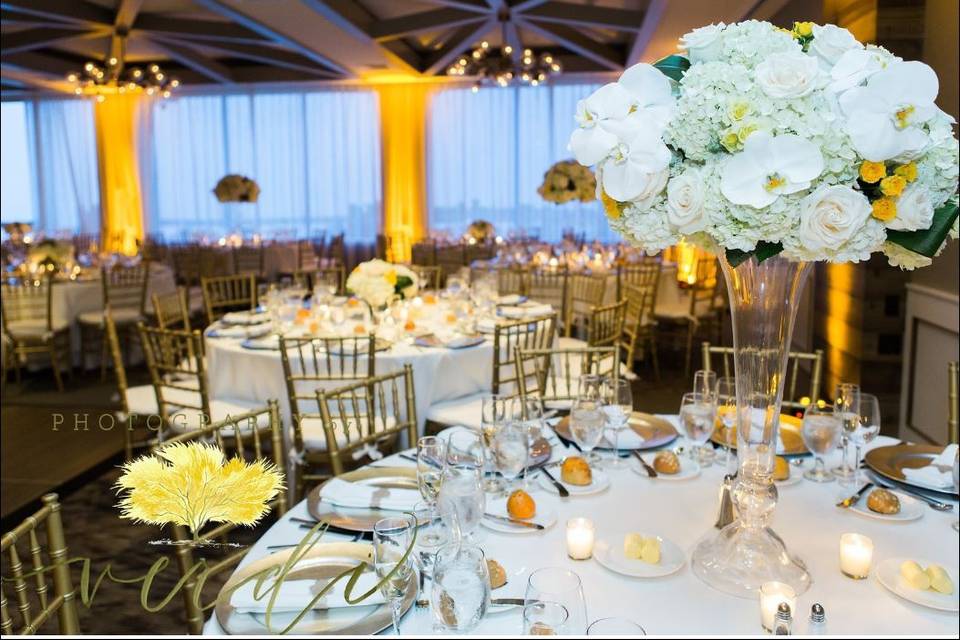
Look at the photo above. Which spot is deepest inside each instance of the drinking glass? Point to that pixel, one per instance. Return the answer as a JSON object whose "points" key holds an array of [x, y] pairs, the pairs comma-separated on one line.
{"points": [[493, 413], [462, 501], [615, 627], [460, 595], [561, 586], [433, 534], [431, 454], [586, 424], [544, 618], [705, 382], [727, 414], [847, 403], [590, 386], [392, 538], [618, 405], [698, 415], [821, 432], [528, 412], [866, 430], [511, 451]]}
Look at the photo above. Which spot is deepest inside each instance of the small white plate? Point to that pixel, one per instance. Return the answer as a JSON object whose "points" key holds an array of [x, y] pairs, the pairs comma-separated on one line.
{"points": [[796, 475], [888, 573], [600, 482], [608, 550], [910, 509], [498, 507], [688, 470]]}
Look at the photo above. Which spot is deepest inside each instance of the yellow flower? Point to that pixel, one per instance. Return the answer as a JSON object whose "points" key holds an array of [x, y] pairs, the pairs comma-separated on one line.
{"points": [[803, 28], [610, 206], [193, 484], [884, 209], [730, 140], [872, 171], [738, 110], [747, 130], [391, 276], [892, 185], [907, 171]]}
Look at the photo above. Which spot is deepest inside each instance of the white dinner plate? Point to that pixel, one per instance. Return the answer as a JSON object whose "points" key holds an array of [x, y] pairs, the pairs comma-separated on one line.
{"points": [[910, 509], [688, 469], [244, 317], [498, 507], [608, 550], [888, 573], [600, 483]]}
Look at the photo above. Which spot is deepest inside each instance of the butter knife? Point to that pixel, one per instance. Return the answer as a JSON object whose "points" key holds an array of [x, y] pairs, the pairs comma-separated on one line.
{"points": [[650, 470], [562, 490], [846, 503], [522, 523]]}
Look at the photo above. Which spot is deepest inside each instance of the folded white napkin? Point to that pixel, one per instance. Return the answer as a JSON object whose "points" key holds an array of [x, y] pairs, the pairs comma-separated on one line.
{"points": [[245, 317], [512, 298], [938, 474], [351, 494], [296, 595], [530, 311], [241, 331], [486, 325]]}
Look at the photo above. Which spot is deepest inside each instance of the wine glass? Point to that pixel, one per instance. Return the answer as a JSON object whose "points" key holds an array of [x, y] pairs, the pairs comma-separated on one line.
{"points": [[586, 424], [460, 595], [590, 386], [727, 414], [493, 413], [847, 403], [431, 454], [615, 626], [618, 405], [705, 382], [821, 431], [544, 618], [698, 415], [432, 534], [866, 430], [564, 587], [528, 412], [461, 500], [511, 451], [392, 538]]}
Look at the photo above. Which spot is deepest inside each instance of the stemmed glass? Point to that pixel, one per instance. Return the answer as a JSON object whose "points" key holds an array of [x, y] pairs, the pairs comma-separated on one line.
{"points": [[615, 627], [461, 587], [865, 431], [704, 382], [821, 432], [432, 534], [847, 404], [544, 618], [493, 413], [431, 455], [727, 414], [698, 415], [564, 587], [528, 412], [511, 451], [586, 424], [618, 399], [392, 538], [461, 500]]}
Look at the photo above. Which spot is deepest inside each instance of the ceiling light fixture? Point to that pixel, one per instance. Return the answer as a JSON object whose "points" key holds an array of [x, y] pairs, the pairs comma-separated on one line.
{"points": [[502, 67], [113, 76]]}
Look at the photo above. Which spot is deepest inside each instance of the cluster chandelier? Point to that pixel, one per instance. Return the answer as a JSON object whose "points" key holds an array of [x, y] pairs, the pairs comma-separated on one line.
{"points": [[113, 76], [499, 66]]}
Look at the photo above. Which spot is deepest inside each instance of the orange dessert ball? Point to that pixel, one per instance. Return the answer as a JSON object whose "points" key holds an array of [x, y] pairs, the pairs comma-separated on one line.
{"points": [[520, 505], [410, 325], [576, 471]]}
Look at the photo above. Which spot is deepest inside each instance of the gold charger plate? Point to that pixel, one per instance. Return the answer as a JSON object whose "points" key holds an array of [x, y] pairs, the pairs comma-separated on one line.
{"points": [[890, 462], [324, 561], [789, 433], [355, 519], [656, 432]]}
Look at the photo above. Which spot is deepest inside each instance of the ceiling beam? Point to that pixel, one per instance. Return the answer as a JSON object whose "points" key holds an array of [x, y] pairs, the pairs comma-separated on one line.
{"points": [[43, 64], [29, 78], [478, 6], [217, 6], [512, 36], [193, 59], [419, 22], [40, 37], [63, 11], [651, 20], [264, 54], [579, 15], [523, 5], [458, 43], [197, 29], [578, 43], [127, 13]]}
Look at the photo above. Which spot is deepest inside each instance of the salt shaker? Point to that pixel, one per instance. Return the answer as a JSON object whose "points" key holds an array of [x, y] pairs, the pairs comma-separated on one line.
{"points": [[784, 621], [818, 620]]}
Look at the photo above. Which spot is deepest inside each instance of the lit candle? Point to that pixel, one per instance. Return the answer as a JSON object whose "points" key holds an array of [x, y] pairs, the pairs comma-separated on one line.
{"points": [[771, 595], [856, 555], [579, 538]]}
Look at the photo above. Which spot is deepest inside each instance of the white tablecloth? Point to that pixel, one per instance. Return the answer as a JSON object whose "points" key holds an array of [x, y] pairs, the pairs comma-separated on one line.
{"points": [[806, 519]]}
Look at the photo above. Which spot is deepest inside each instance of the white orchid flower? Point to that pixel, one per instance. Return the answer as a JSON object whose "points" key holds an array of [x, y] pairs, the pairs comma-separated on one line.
{"points": [[853, 67], [768, 167], [626, 172], [884, 118], [651, 92], [593, 141]]}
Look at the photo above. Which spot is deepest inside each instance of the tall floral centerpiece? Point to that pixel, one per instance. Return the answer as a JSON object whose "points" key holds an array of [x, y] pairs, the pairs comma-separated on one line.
{"points": [[773, 148], [568, 180], [378, 283]]}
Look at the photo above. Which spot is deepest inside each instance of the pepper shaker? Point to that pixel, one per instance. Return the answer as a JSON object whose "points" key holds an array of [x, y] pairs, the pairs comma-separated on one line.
{"points": [[784, 620], [818, 620]]}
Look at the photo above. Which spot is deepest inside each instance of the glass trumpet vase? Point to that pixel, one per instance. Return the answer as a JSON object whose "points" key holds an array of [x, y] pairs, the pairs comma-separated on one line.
{"points": [[744, 554]]}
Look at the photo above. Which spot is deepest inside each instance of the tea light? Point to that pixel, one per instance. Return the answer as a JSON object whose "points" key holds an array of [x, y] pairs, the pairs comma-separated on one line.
{"points": [[771, 595], [580, 538], [856, 555]]}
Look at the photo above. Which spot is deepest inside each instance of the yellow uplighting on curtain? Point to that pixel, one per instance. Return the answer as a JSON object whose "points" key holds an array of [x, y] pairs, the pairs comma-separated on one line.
{"points": [[121, 210], [403, 129]]}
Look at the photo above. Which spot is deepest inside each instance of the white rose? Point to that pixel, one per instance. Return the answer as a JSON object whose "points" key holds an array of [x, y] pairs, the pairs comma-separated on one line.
{"points": [[830, 216], [787, 75], [704, 43], [853, 67], [685, 200], [830, 42], [650, 185], [914, 210]]}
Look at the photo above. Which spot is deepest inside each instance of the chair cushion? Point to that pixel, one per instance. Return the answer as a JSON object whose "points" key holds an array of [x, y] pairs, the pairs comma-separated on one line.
{"points": [[123, 315], [33, 329], [189, 419], [464, 411], [314, 438], [142, 400]]}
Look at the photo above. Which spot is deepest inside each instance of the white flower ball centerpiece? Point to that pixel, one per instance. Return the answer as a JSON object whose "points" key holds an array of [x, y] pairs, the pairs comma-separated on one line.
{"points": [[773, 148], [378, 283]]}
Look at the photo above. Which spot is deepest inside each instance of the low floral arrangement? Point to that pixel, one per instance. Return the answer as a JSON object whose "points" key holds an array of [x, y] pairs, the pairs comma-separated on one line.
{"points": [[378, 283], [236, 188], [764, 140], [568, 180], [49, 255], [481, 231]]}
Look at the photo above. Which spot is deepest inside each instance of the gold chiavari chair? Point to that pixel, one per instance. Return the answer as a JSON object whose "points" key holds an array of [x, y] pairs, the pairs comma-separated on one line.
{"points": [[605, 327], [171, 310], [228, 293], [801, 366], [250, 436], [429, 276], [247, 260], [308, 365], [307, 260], [639, 327], [528, 334], [30, 327], [644, 274], [953, 416], [337, 251], [553, 288], [585, 293], [701, 313], [553, 375], [450, 259], [369, 413], [333, 275], [215, 261], [125, 292], [513, 280], [424, 252], [186, 264], [62, 599]]}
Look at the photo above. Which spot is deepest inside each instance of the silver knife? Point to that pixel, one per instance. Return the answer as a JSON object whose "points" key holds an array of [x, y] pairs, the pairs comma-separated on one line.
{"points": [[846, 503], [522, 523], [562, 490], [650, 470]]}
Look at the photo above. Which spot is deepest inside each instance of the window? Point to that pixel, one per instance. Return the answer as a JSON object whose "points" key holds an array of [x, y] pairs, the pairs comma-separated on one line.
{"points": [[17, 200], [487, 154]]}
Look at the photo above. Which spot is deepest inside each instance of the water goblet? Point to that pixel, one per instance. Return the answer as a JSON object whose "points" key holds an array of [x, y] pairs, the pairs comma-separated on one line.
{"points": [[704, 382], [431, 454], [462, 501], [698, 415], [847, 403], [587, 420], [866, 430], [618, 405], [821, 432], [392, 538], [432, 534], [528, 412], [561, 586], [493, 413], [511, 451], [615, 626], [460, 595], [544, 618]]}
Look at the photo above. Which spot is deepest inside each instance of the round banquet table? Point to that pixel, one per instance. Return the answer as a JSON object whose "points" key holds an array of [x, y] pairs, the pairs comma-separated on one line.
{"points": [[682, 511]]}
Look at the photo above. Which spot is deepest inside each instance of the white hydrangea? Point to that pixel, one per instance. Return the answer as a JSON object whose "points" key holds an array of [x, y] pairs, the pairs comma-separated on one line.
{"points": [[907, 260]]}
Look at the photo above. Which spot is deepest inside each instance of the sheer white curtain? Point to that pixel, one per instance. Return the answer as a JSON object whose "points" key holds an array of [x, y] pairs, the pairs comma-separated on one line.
{"points": [[18, 201], [315, 156], [488, 151]]}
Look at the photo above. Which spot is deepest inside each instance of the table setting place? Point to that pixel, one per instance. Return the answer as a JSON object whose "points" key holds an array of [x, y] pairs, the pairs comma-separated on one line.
{"points": [[521, 527]]}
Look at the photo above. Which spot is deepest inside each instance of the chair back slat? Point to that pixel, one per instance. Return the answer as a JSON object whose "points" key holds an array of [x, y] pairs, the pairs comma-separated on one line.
{"points": [[585, 293], [527, 334], [429, 275], [228, 293], [126, 287], [803, 373], [953, 413], [248, 260], [553, 375], [513, 280], [171, 309], [27, 300], [606, 324], [177, 372]]}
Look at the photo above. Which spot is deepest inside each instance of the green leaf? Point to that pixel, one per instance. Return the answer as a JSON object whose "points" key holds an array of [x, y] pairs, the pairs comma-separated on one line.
{"points": [[402, 283], [673, 66], [762, 251], [927, 242]]}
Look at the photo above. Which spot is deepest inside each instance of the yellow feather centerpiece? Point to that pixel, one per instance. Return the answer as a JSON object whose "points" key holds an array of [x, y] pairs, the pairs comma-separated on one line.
{"points": [[191, 484]]}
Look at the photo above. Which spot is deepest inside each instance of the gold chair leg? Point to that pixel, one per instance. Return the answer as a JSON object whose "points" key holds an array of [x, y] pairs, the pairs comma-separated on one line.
{"points": [[55, 363]]}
